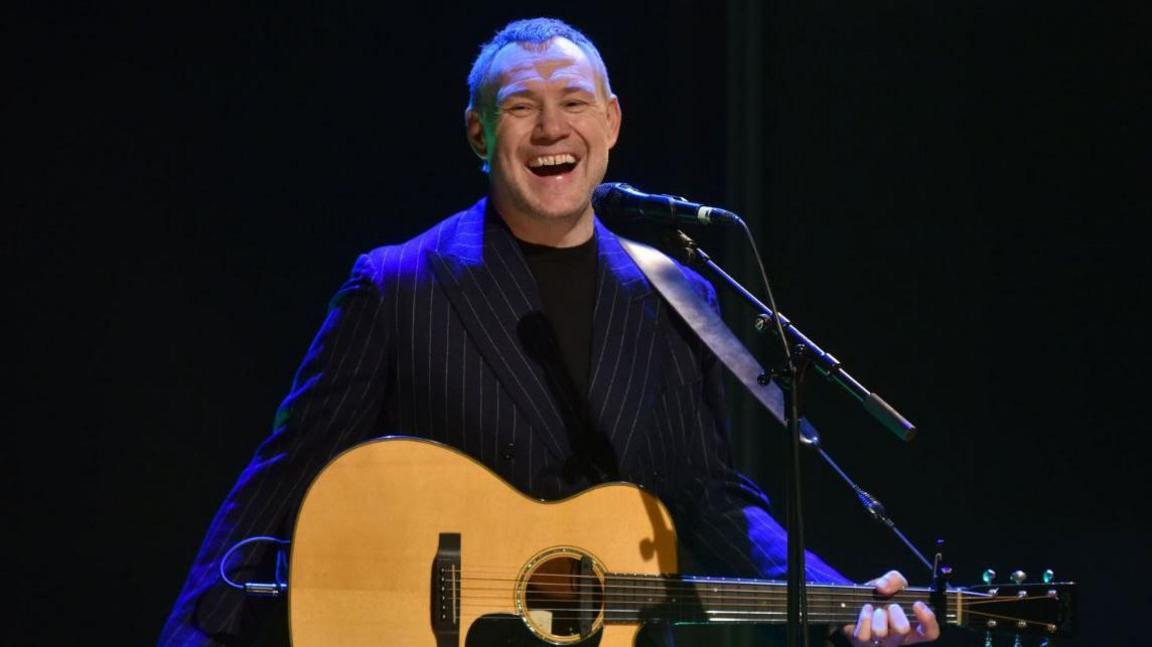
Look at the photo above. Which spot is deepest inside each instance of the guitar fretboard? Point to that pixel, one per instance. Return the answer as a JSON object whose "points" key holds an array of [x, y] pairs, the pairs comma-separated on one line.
{"points": [[632, 598]]}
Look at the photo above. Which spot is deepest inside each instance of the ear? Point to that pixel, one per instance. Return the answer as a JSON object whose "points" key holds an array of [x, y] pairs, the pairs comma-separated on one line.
{"points": [[614, 115], [476, 139]]}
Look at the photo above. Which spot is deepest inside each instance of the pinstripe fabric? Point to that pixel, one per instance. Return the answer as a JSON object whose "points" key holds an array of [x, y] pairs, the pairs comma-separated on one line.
{"points": [[428, 338]]}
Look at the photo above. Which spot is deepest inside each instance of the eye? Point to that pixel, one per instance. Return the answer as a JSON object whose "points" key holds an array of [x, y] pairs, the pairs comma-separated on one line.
{"points": [[519, 109], [576, 104]]}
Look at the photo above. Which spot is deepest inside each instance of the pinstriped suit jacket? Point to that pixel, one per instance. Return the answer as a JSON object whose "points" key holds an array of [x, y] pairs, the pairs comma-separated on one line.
{"points": [[436, 337]]}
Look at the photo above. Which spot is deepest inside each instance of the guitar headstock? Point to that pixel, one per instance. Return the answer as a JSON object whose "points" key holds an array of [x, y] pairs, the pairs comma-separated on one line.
{"points": [[1043, 610]]}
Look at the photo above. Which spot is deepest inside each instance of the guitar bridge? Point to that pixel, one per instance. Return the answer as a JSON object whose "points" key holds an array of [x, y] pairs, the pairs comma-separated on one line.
{"points": [[446, 590]]}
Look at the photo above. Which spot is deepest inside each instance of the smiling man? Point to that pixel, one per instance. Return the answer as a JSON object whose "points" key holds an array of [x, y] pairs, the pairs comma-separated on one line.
{"points": [[543, 119], [519, 332]]}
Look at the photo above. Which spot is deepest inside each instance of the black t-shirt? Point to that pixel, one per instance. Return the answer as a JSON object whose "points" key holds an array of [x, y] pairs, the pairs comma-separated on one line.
{"points": [[566, 280]]}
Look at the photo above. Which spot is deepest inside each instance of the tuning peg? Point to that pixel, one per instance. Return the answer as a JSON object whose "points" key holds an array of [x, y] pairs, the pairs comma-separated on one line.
{"points": [[988, 576], [1019, 576], [1049, 576]]}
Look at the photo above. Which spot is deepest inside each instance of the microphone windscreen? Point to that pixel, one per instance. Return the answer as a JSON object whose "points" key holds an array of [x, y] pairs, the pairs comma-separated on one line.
{"points": [[605, 197]]}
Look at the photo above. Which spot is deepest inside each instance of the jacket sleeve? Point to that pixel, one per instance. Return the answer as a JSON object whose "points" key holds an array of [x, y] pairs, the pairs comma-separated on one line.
{"points": [[727, 522], [336, 401]]}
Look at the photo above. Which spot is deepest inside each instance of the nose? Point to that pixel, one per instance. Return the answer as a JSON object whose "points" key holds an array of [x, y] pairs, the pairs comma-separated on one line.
{"points": [[551, 124]]}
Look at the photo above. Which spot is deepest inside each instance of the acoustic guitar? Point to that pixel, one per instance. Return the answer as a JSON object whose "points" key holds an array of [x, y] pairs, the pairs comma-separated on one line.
{"points": [[406, 542]]}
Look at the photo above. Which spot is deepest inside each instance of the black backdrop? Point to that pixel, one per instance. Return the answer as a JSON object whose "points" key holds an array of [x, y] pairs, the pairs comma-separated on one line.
{"points": [[947, 198]]}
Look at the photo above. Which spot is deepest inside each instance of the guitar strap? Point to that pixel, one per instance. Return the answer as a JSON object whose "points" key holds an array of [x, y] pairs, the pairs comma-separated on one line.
{"points": [[671, 283]]}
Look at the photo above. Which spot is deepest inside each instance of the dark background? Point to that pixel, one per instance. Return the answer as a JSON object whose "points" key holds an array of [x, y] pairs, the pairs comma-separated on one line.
{"points": [[948, 197]]}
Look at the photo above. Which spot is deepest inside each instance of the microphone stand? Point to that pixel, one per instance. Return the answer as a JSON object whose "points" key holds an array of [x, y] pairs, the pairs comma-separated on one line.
{"points": [[813, 355], [789, 380], [801, 353]]}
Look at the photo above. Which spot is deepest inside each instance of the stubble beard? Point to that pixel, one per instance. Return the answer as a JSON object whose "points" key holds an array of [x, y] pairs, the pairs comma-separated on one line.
{"points": [[522, 206]]}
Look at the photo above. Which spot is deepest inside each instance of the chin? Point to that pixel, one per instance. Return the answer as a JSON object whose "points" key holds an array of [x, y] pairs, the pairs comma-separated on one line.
{"points": [[567, 210], [541, 201], [556, 206]]}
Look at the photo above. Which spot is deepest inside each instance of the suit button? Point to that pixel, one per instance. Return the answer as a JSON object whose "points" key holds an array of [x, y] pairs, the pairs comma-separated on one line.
{"points": [[507, 452]]}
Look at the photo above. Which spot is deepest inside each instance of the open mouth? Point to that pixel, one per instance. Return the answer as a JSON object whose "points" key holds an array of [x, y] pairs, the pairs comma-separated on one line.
{"points": [[550, 165]]}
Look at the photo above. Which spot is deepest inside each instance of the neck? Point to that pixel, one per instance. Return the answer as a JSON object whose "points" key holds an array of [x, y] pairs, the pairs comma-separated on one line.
{"points": [[706, 600]]}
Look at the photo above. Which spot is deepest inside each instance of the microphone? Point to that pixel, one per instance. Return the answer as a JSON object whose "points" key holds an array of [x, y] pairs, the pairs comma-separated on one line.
{"points": [[619, 200]]}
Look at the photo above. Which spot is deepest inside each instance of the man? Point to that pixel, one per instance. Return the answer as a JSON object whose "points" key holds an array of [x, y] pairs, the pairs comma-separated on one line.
{"points": [[521, 333]]}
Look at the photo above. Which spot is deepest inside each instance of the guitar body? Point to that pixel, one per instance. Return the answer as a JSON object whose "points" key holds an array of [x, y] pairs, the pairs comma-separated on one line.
{"points": [[380, 519], [406, 542]]}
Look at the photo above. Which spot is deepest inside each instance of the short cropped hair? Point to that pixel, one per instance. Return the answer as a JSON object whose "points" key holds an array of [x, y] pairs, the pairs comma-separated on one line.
{"points": [[534, 31]]}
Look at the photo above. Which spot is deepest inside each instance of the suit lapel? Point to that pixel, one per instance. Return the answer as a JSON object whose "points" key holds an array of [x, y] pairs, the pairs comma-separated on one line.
{"points": [[624, 358], [489, 284]]}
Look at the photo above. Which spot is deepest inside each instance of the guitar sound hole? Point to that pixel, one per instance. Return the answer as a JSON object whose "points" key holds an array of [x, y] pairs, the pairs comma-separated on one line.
{"points": [[563, 598]]}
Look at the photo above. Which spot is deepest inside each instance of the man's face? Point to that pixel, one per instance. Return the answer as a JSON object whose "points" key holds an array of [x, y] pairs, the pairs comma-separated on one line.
{"points": [[547, 139]]}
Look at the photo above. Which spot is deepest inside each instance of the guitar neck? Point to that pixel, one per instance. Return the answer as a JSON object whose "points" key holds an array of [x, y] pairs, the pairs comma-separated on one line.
{"points": [[686, 599]]}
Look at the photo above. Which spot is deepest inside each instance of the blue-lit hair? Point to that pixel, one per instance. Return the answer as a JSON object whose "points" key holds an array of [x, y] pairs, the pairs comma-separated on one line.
{"points": [[533, 32]]}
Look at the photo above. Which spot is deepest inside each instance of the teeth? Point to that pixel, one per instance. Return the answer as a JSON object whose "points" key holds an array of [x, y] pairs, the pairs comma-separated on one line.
{"points": [[552, 160]]}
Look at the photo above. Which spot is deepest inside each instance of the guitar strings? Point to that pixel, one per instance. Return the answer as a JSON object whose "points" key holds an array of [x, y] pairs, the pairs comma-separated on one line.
{"points": [[835, 607], [723, 615], [733, 593], [748, 604], [640, 584], [618, 615], [639, 613], [660, 580], [738, 590], [827, 608], [739, 597], [658, 583], [690, 598], [623, 606]]}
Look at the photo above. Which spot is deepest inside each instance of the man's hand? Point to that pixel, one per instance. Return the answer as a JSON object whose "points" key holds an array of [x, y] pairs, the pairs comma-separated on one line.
{"points": [[887, 625]]}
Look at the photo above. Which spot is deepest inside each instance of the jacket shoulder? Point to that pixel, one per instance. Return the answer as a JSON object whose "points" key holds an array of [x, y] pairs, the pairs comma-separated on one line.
{"points": [[391, 263]]}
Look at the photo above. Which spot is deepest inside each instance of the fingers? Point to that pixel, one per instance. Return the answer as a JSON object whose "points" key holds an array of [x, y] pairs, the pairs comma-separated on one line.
{"points": [[898, 577], [890, 583], [929, 628], [861, 632], [889, 626], [879, 624], [898, 626], [885, 625]]}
